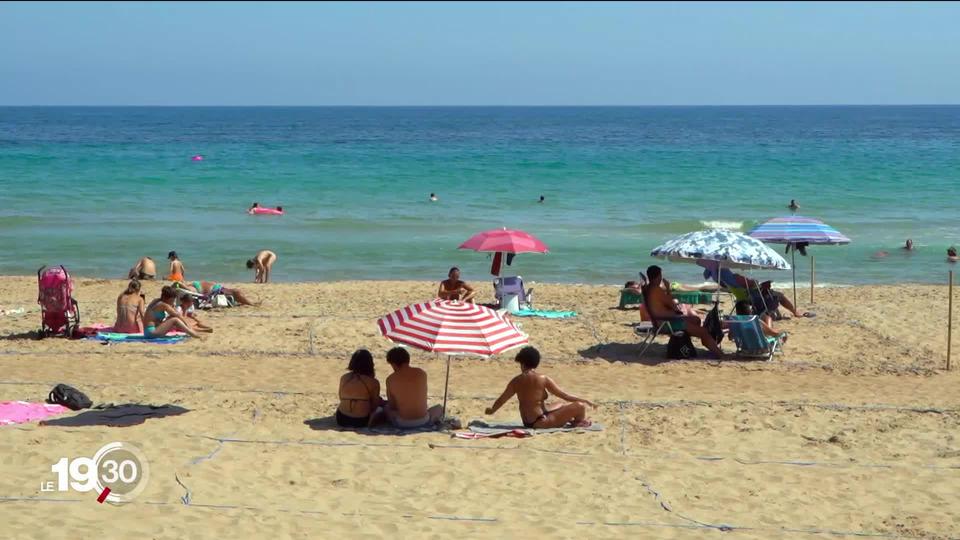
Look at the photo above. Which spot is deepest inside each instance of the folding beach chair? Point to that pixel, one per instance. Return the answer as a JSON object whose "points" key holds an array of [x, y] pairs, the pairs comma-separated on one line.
{"points": [[747, 333], [504, 286], [649, 330]]}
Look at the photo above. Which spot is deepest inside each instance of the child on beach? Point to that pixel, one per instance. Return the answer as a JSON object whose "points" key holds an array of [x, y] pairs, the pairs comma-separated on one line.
{"points": [[176, 267], [189, 313]]}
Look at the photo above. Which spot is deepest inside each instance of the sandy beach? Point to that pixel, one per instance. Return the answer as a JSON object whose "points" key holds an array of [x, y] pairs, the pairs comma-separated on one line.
{"points": [[853, 430]]}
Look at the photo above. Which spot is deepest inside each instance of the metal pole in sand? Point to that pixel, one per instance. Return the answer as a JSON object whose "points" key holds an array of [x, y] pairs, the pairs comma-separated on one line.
{"points": [[793, 265], [813, 273], [949, 318], [446, 385]]}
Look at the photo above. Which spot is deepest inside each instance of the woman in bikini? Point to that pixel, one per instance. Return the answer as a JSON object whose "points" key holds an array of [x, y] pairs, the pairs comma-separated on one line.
{"points": [[130, 306], [532, 390], [359, 392], [454, 289], [161, 316]]}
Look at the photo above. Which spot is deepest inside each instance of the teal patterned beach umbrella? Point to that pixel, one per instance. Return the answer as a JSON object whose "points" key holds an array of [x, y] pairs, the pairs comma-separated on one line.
{"points": [[729, 248]]}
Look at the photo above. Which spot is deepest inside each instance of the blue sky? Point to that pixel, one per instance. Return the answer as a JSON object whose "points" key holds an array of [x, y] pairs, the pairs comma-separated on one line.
{"points": [[434, 53]]}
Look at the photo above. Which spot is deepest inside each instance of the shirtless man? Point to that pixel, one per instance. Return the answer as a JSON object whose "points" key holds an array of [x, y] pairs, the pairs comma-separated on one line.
{"points": [[262, 264], [531, 390], [407, 393], [176, 267], [663, 308], [454, 289], [144, 269]]}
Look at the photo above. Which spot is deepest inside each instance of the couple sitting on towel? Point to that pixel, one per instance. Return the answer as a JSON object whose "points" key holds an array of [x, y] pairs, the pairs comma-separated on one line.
{"points": [[406, 404]]}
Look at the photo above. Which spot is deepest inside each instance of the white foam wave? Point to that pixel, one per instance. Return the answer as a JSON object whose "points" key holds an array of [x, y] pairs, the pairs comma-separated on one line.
{"points": [[720, 224]]}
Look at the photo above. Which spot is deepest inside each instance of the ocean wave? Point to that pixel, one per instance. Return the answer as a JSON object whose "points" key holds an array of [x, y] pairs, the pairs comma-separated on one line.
{"points": [[722, 224]]}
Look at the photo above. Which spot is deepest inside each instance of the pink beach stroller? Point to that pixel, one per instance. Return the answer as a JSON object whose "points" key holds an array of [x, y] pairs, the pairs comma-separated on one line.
{"points": [[59, 312]]}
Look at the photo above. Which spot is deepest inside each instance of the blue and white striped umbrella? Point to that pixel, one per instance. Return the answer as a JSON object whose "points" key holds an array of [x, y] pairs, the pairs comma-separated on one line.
{"points": [[797, 229], [730, 248]]}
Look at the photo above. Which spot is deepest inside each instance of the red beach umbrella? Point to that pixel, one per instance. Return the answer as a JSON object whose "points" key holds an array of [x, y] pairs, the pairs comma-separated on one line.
{"points": [[451, 327], [502, 241], [505, 240]]}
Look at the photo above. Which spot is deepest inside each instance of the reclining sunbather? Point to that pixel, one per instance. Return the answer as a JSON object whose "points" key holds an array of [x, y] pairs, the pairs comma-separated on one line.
{"points": [[161, 317], [532, 389], [762, 295], [211, 288]]}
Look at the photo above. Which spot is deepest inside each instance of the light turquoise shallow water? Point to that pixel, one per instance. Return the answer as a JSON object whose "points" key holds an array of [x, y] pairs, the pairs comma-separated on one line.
{"points": [[95, 188]]}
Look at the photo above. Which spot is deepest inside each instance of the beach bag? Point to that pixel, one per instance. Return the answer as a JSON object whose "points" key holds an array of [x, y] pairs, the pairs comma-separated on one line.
{"points": [[713, 325], [69, 397], [220, 300], [680, 347]]}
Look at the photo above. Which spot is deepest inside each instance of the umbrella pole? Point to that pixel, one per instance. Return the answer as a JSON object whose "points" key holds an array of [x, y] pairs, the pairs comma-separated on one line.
{"points": [[793, 265], [446, 386], [813, 275]]}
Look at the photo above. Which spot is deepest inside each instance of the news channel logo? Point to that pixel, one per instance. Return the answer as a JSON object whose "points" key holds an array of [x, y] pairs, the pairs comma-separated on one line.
{"points": [[117, 473]]}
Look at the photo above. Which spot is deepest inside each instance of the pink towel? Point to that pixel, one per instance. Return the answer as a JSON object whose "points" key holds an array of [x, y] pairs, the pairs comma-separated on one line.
{"points": [[18, 412]]}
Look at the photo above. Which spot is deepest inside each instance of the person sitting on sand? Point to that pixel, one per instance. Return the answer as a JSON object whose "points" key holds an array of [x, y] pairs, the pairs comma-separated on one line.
{"points": [[189, 314], [210, 288], [951, 254], [664, 308], [144, 269], [406, 405], [359, 392], [531, 389], [176, 267], [253, 207], [262, 263], [161, 317], [130, 306], [454, 289]]}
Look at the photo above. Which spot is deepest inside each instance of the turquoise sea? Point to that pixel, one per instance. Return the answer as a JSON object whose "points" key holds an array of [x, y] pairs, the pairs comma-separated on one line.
{"points": [[96, 188]]}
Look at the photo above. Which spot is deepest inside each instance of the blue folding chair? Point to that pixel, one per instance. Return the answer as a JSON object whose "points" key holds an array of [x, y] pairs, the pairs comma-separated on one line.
{"points": [[747, 333]]}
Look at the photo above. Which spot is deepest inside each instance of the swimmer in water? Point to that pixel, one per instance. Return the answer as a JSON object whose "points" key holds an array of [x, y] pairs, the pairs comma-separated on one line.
{"points": [[951, 254], [909, 245], [542, 199], [433, 197], [793, 205], [279, 209], [252, 208]]}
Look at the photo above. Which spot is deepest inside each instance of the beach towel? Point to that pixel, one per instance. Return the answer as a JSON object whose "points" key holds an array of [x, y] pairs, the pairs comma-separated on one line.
{"points": [[113, 337], [19, 412], [479, 430], [546, 314], [93, 330], [108, 414]]}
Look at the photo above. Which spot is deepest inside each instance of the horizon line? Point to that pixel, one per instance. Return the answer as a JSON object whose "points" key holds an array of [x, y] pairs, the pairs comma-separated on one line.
{"points": [[397, 106]]}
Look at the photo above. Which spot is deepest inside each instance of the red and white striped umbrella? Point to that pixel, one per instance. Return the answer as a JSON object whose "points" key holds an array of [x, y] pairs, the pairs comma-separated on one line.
{"points": [[452, 327]]}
